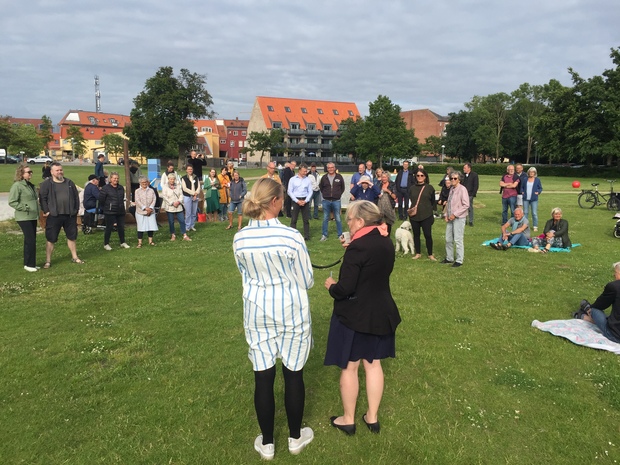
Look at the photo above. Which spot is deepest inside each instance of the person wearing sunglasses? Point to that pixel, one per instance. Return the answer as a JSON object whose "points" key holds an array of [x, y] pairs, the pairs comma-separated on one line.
{"points": [[457, 207], [23, 198]]}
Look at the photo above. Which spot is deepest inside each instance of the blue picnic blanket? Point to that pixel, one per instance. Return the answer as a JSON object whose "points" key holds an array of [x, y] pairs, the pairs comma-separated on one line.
{"points": [[529, 246]]}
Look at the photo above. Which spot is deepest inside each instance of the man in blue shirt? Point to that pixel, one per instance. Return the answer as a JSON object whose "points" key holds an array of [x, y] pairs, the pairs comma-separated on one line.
{"points": [[300, 192], [403, 182]]}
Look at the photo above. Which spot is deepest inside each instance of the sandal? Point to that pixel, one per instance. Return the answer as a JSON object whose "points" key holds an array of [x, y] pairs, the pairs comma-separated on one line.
{"points": [[139, 246], [78, 261], [229, 226], [151, 243], [545, 250], [47, 266]]}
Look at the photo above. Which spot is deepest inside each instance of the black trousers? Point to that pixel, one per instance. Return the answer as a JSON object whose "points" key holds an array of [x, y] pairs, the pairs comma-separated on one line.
{"points": [[426, 226], [109, 225], [29, 228], [305, 215], [402, 197]]}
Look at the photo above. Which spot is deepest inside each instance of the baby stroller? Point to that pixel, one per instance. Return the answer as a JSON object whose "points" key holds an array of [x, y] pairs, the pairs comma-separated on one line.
{"points": [[92, 219], [617, 226]]}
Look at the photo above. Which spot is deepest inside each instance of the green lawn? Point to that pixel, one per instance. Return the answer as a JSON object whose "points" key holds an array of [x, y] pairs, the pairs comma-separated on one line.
{"points": [[138, 357]]}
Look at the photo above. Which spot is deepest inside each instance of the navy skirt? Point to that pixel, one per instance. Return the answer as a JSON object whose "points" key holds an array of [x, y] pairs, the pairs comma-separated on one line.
{"points": [[345, 345]]}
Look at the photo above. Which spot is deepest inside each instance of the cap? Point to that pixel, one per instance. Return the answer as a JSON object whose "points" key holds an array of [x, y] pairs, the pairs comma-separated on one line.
{"points": [[365, 179]]}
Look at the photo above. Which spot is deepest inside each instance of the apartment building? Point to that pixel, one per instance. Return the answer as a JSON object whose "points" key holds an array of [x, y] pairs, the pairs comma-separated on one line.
{"points": [[425, 123]]}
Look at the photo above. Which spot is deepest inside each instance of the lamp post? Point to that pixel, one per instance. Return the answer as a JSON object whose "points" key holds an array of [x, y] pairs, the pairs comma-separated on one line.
{"points": [[442, 152]]}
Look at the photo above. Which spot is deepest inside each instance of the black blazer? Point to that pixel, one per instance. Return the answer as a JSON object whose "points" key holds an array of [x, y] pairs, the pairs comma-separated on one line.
{"points": [[399, 177], [362, 298]]}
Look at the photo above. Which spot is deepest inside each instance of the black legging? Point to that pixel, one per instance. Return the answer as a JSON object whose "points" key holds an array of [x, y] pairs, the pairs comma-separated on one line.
{"points": [[265, 404], [109, 225], [29, 228], [426, 226]]}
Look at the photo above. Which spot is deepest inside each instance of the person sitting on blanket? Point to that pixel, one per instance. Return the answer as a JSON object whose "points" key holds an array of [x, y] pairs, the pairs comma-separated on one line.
{"points": [[555, 233], [519, 232], [609, 325]]}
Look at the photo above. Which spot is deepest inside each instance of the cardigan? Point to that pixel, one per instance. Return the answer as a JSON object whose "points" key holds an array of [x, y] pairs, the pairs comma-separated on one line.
{"points": [[561, 230], [362, 298]]}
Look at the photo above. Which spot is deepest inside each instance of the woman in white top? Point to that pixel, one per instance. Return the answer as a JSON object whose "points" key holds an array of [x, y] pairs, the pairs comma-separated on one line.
{"points": [[276, 273], [173, 204], [145, 210]]}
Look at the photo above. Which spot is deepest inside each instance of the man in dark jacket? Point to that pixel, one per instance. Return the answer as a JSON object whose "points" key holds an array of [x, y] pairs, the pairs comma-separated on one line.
{"points": [[331, 186], [60, 203], [112, 202], [287, 173], [404, 180], [609, 325], [470, 181], [197, 161]]}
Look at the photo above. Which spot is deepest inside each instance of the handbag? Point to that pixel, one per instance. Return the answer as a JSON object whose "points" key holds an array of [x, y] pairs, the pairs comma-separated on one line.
{"points": [[413, 211]]}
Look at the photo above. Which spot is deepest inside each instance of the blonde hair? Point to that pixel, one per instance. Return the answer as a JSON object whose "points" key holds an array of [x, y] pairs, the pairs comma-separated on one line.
{"points": [[264, 190], [19, 172], [366, 211]]}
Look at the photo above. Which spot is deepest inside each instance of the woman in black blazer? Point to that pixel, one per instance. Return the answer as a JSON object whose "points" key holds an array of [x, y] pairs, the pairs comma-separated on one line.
{"points": [[365, 315]]}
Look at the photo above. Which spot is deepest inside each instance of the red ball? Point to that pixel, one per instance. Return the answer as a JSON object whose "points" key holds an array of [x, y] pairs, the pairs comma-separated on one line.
{"points": [[576, 184]]}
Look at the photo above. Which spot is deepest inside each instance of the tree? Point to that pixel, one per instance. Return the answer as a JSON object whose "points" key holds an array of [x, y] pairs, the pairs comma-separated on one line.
{"points": [[385, 134], [346, 141], [493, 113], [78, 144], [460, 140], [265, 141], [528, 107], [6, 135], [26, 139], [161, 120], [46, 133], [114, 143], [433, 145]]}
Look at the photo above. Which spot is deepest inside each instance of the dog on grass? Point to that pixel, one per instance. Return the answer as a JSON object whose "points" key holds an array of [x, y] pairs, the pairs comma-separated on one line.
{"points": [[404, 238]]}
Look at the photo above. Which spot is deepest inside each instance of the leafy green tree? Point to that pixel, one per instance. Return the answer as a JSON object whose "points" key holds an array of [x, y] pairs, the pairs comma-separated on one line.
{"points": [[161, 120], [6, 135], [78, 145], [346, 141], [528, 107], [46, 133], [433, 145], [460, 135], [385, 134], [114, 144], [492, 111], [26, 139], [265, 141]]}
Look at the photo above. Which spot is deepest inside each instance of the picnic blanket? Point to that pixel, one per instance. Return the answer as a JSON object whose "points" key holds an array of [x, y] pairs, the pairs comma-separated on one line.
{"points": [[529, 246], [579, 332]]}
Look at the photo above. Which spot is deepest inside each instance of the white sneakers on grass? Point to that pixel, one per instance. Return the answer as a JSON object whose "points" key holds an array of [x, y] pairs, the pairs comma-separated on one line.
{"points": [[295, 446], [125, 245], [31, 269], [107, 247]]}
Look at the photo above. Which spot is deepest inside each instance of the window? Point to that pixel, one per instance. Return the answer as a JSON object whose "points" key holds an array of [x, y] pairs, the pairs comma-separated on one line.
{"points": [[311, 127], [240, 143], [327, 127], [244, 133], [294, 125], [276, 125], [335, 111], [269, 108], [319, 111], [303, 110], [232, 143], [222, 141], [235, 133], [351, 113], [287, 109]]}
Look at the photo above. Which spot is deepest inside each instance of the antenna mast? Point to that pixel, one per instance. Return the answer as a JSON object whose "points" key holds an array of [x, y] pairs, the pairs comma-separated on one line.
{"points": [[97, 95]]}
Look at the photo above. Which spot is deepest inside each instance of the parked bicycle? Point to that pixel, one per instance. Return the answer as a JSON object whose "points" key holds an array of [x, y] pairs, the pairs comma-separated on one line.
{"points": [[590, 198]]}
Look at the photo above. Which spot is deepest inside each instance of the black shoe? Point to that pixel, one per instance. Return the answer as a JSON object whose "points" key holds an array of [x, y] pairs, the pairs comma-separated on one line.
{"points": [[456, 264], [584, 305], [373, 427], [348, 429], [445, 260], [471, 223]]}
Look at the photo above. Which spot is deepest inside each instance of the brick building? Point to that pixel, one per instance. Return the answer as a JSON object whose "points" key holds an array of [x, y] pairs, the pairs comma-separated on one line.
{"points": [[425, 123]]}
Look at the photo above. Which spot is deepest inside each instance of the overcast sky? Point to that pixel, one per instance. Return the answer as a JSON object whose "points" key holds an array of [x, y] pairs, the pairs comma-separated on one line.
{"points": [[433, 54]]}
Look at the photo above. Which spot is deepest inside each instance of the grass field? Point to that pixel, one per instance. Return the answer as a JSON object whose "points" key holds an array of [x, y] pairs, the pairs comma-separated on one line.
{"points": [[138, 357]]}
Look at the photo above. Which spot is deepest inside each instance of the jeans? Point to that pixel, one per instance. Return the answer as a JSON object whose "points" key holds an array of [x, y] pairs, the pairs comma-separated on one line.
{"points": [[471, 210], [180, 218], [330, 206], [526, 209], [191, 210], [509, 202], [316, 199], [223, 212], [455, 230], [517, 239], [600, 320]]}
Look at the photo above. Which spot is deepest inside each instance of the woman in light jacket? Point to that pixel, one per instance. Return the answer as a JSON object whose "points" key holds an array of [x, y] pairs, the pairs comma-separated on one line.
{"points": [[23, 198], [145, 210], [172, 195], [530, 190], [192, 186], [224, 193]]}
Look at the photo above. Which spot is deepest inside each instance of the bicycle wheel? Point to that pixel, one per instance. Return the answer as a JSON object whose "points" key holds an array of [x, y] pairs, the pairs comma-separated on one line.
{"points": [[613, 203], [586, 199]]}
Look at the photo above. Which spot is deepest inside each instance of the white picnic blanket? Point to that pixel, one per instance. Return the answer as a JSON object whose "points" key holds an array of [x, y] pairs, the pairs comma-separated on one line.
{"points": [[579, 332]]}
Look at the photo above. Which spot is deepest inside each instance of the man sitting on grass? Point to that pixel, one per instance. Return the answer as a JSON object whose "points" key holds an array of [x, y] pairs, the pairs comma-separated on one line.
{"points": [[519, 232], [609, 325]]}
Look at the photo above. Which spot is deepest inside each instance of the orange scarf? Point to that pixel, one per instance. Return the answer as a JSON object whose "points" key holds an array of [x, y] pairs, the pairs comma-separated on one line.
{"points": [[366, 229]]}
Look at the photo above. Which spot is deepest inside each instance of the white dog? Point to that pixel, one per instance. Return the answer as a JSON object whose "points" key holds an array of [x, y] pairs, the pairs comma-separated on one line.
{"points": [[404, 238]]}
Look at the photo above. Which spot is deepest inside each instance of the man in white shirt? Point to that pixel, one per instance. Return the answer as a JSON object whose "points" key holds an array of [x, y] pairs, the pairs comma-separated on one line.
{"points": [[315, 178], [300, 192]]}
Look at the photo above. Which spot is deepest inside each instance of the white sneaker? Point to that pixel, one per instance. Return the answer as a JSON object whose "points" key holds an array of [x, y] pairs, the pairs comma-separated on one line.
{"points": [[295, 446], [107, 247], [192, 229], [266, 451], [31, 269], [323, 238], [124, 245]]}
